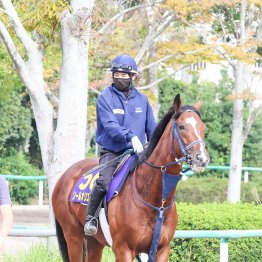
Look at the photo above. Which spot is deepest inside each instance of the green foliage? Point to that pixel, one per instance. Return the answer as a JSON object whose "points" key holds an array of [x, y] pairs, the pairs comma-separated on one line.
{"points": [[229, 15], [15, 120], [217, 217], [9, 80], [41, 16], [253, 145], [15, 124], [212, 189], [20, 190]]}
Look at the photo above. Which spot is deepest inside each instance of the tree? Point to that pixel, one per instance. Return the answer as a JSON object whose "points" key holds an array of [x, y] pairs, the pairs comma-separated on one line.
{"points": [[232, 31], [244, 41], [62, 139]]}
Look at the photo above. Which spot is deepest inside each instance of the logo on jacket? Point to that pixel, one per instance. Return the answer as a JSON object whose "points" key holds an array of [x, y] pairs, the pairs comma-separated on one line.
{"points": [[138, 110], [118, 111]]}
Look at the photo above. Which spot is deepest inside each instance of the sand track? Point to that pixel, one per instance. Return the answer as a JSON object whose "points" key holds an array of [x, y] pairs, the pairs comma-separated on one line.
{"points": [[30, 215]]}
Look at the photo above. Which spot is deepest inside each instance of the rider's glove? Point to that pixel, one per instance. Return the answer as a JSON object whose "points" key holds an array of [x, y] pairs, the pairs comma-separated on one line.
{"points": [[138, 147]]}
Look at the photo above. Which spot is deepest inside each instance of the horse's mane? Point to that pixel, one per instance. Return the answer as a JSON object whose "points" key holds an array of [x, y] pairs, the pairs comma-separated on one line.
{"points": [[160, 128]]}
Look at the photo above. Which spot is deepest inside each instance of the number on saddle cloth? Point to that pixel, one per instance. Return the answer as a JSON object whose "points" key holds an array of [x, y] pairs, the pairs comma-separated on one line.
{"points": [[82, 189]]}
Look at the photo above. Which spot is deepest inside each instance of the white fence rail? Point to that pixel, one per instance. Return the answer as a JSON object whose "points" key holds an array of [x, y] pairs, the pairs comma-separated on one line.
{"points": [[223, 235]]}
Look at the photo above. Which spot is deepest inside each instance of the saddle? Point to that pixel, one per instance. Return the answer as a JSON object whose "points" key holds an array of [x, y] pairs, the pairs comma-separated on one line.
{"points": [[84, 185], [82, 189]]}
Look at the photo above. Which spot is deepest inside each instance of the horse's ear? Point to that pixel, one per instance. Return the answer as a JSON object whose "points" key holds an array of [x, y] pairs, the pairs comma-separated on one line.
{"points": [[198, 104], [177, 102]]}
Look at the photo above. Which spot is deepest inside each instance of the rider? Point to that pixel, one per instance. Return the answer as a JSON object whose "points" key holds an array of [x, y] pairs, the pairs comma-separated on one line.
{"points": [[124, 120]]}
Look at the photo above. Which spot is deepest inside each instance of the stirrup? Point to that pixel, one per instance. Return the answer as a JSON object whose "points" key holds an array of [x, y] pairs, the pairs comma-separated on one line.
{"points": [[91, 227]]}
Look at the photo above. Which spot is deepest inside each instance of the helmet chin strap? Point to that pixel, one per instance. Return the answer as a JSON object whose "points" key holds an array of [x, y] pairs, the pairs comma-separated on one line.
{"points": [[131, 80]]}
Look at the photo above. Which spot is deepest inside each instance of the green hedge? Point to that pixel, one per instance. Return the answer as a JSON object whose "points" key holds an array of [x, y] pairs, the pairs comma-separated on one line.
{"points": [[211, 189], [21, 191], [224, 216]]}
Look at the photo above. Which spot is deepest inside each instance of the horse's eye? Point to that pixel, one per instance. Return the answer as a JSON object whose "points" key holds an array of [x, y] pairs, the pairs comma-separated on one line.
{"points": [[181, 127]]}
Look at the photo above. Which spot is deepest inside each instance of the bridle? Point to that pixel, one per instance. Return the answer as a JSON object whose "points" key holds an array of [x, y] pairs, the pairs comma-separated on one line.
{"points": [[184, 149]]}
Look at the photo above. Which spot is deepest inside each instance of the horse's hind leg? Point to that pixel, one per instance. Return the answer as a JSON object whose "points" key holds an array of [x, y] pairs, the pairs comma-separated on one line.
{"points": [[94, 250]]}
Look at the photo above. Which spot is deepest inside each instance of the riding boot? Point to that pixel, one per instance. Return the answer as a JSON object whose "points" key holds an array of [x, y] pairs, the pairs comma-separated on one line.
{"points": [[93, 203]]}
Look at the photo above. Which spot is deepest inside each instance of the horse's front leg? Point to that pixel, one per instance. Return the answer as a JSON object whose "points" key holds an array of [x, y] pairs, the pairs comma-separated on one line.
{"points": [[163, 254], [123, 253], [94, 250]]}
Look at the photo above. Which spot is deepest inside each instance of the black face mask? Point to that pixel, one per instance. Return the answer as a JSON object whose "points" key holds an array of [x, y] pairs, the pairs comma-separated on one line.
{"points": [[122, 84]]}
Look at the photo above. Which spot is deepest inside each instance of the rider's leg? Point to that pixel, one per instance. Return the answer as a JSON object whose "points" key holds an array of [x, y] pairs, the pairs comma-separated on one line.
{"points": [[98, 191]]}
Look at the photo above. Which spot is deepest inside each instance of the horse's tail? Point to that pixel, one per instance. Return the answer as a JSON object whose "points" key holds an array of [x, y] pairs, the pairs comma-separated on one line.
{"points": [[62, 242]]}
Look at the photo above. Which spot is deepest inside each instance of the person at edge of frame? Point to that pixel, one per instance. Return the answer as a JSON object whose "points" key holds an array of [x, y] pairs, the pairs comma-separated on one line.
{"points": [[5, 211]]}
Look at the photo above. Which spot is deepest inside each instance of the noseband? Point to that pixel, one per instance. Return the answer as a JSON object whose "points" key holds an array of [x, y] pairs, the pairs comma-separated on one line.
{"points": [[184, 149]]}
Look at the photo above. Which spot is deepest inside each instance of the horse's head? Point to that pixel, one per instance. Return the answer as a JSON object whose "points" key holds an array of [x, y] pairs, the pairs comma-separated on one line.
{"points": [[189, 129]]}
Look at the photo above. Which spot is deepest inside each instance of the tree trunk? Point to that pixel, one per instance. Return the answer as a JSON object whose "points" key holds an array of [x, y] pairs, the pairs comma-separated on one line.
{"points": [[152, 77], [237, 140], [234, 183], [70, 133], [149, 17]]}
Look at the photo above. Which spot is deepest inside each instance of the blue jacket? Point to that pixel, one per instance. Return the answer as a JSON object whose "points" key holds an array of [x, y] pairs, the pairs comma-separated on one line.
{"points": [[120, 118]]}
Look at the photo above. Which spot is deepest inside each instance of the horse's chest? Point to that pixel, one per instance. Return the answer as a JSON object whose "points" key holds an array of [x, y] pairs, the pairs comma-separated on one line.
{"points": [[145, 232]]}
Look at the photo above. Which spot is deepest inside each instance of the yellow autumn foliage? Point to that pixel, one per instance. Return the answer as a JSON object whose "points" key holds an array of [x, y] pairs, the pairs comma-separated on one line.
{"points": [[256, 2], [200, 10], [239, 53], [41, 15], [188, 53]]}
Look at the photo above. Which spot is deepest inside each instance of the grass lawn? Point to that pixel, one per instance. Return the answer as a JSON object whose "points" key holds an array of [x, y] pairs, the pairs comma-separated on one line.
{"points": [[40, 253]]}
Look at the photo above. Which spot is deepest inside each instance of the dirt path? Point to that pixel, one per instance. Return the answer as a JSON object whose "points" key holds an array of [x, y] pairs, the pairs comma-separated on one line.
{"points": [[31, 215]]}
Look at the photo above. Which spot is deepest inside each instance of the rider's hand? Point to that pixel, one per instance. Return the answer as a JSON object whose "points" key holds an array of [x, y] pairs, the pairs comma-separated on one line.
{"points": [[138, 147]]}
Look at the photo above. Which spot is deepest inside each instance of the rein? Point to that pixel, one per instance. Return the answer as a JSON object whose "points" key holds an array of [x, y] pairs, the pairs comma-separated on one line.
{"points": [[169, 182]]}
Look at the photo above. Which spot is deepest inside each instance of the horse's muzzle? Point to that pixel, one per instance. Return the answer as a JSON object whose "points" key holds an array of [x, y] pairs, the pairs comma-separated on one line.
{"points": [[200, 162]]}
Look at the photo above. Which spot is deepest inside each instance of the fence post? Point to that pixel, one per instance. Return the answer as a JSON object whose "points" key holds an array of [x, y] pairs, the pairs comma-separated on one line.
{"points": [[223, 250], [40, 192], [246, 176]]}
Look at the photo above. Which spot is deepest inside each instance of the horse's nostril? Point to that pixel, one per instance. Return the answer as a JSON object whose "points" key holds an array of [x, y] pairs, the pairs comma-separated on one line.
{"points": [[197, 157]]}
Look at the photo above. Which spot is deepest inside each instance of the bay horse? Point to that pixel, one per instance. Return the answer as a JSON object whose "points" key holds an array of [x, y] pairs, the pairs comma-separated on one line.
{"points": [[132, 213]]}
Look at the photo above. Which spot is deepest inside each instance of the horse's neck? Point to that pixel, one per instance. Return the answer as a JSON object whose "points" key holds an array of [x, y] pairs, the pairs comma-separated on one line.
{"points": [[148, 179]]}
